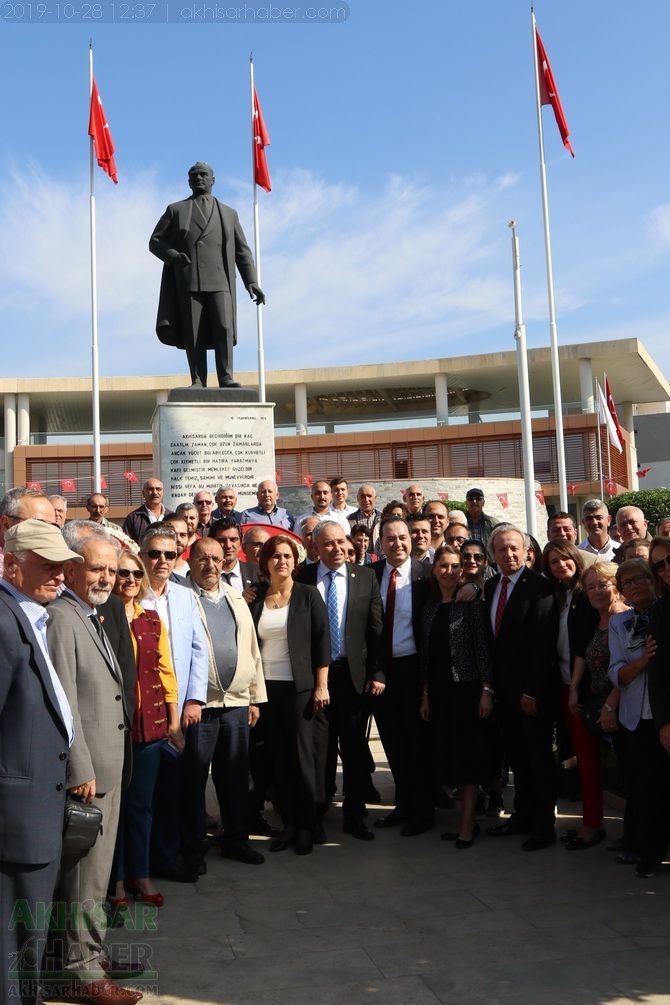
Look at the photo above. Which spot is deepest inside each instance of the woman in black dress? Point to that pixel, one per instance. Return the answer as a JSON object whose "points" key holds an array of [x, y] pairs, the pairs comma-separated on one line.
{"points": [[456, 696]]}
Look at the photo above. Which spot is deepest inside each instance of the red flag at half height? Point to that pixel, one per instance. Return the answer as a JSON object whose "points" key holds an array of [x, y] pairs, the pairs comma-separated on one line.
{"points": [[549, 92], [261, 141], [98, 130], [612, 410]]}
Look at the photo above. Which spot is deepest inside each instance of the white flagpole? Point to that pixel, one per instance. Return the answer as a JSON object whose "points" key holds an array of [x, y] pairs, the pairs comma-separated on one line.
{"points": [[257, 243], [95, 374], [524, 391], [599, 441], [555, 369], [609, 442]]}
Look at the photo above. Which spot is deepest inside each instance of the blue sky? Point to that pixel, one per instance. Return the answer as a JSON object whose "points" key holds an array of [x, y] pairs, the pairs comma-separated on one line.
{"points": [[403, 140]]}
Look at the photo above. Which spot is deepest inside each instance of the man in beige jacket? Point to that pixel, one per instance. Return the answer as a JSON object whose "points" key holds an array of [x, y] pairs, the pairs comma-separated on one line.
{"points": [[236, 688]]}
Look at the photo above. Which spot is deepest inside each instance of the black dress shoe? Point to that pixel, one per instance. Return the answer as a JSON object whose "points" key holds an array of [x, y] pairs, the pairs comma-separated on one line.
{"points": [[392, 819], [372, 795], [357, 828], [259, 825], [230, 383], [303, 842], [417, 825], [536, 842], [511, 826], [281, 841], [241, 851], [577, 843]]}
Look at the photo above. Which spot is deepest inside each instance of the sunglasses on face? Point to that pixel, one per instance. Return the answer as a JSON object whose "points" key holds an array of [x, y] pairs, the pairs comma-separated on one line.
{"points": [[475, 556], [126, 573], [156, 553], [662, 562]]}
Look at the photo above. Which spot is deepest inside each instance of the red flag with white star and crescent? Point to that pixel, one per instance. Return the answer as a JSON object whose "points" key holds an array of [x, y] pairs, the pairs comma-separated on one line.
{"points": [[98, 130]]}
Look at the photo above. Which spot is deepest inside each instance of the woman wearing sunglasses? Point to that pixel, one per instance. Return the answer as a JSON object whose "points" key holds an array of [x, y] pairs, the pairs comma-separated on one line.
{"points": [[156, 721]]}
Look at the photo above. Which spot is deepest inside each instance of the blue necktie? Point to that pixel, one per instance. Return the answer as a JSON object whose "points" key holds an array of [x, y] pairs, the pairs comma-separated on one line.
{"points": [[333, 618]]}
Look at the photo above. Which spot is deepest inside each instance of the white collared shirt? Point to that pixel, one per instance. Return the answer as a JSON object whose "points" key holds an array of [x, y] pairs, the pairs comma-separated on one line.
{"points": [[607, 552]]}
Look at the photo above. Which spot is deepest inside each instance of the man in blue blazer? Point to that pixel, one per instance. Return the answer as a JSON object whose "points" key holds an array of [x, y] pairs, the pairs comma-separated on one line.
{"points": [[36, 731]]}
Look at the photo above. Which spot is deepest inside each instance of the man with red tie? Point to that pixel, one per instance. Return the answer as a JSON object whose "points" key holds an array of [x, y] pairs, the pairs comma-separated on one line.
{"points": [[403, 584], [524, 626]]}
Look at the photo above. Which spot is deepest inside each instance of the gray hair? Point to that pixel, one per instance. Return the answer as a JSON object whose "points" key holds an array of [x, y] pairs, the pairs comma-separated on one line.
{"points": [[57, 498], [185, 507], [321, 526], [77, 532], [593, 505], [11, 501], [503, 528], [157, 530]]}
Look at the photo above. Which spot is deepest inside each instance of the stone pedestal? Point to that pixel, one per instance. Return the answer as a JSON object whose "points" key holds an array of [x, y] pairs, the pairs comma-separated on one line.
{"points": [[210, 438]]}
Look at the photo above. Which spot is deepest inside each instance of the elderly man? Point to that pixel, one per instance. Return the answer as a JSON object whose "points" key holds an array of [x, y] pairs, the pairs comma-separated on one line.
{"points": [[367, 513], [97, 505], [456, 535], [59, 504], [480, 524], [204, 503], [252, 542], [267, 510], [226, 501], [524, 628], [37, 728], [23, 504], [151, 511], [596, 520], [236, 688], [413, 499], [404, 586], [631, 523], [352, 598], [322, 498], [92, 681], [178, 609]]}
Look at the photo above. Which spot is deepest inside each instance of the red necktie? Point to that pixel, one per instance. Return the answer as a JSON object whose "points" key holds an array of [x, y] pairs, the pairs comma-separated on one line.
{"points": [[390, 610], [502, 600]]}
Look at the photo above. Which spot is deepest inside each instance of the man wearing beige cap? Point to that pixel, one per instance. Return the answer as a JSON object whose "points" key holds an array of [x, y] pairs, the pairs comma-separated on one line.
{"points": [[37, 730]]}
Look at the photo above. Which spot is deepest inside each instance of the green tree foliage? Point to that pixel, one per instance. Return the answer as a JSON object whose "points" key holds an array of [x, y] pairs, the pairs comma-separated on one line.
{"points": [[654, 503]]}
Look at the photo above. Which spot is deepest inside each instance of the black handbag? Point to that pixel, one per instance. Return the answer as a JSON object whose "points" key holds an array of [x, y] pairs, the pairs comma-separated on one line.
{"points": [[591, 709], [82, 824]]}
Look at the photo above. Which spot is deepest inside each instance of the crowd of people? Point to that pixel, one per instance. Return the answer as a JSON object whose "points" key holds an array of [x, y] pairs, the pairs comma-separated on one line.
{"points": [[256, 646]]}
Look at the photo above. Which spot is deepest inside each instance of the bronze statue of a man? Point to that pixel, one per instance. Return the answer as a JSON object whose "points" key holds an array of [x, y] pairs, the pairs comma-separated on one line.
{"points": [[200, 241]]}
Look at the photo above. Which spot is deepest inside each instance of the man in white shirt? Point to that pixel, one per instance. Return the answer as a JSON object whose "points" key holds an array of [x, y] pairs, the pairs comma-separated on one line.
{"points": [[596, 520], [240, 575], [340, 489], [322, 498]]}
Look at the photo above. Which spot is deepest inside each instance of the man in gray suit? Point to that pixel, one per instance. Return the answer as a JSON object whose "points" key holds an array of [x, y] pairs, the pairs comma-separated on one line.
{"points": [[36, 728], [200, 241], [91, 679]]}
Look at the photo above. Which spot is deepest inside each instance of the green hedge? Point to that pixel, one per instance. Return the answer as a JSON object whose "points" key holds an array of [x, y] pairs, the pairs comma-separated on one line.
{"points": [[654, 503]]}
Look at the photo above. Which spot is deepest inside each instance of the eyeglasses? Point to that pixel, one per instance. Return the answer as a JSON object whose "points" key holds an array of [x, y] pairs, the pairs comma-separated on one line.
{"points": [[204, 502], [455, 540], [600, 587], [662, 562], [157, 553], [634, 581], [474, 556], [126, 573]]}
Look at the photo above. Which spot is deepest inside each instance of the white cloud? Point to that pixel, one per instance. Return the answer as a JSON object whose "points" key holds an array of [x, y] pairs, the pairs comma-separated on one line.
{"points": [[658, 224]]}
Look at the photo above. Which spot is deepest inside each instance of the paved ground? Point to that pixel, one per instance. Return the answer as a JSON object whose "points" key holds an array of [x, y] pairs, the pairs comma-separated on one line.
{"points": [[412, 921]]}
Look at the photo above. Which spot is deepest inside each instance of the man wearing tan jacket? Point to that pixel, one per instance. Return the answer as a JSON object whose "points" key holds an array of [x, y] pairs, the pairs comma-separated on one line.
{"points": [[236, 688]]}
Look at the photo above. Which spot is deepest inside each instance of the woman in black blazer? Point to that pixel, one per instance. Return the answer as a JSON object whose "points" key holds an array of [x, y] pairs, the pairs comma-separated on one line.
{"points": [[292, 626]]}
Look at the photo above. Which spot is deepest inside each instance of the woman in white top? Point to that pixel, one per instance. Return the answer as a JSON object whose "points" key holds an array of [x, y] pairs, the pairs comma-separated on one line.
{"points": [[292, 626]]}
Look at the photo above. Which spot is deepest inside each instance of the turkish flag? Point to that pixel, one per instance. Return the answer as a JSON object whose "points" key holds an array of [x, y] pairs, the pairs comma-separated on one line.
{"points": [[277, 476], [444, 496], [261, 141], [503, 499], [572, 488], [98, 130], [612, 410], [67, 485], [642, 472], [130, 476], [549, 92], [103, 482], [37, 486], [610, 486], [308, 481], [539, 495]]}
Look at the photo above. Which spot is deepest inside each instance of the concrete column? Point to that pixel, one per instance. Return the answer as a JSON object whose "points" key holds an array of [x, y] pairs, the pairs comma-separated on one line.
{"points": [[441, 399], [10, 439], [628, 423], [300, 397], [161, 397], [586, 385], [23, 420]]}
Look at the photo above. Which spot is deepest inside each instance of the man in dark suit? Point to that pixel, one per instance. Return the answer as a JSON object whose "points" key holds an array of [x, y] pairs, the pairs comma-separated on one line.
{"points": [[524, 627], [242, 576], [200, 241], [36, 728], [92, 681], [352, 598], [404, 586]]}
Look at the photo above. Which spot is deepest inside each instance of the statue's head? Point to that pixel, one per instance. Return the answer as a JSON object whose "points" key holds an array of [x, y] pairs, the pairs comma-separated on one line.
{"points": [[201, 178]]}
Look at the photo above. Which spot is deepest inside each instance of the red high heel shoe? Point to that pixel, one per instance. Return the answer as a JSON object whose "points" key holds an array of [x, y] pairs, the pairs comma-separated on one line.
{"points": [[157, 899]]}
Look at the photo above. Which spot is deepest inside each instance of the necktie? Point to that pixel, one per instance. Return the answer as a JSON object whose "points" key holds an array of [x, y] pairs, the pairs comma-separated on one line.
{"points": [[95, 621], [389, 613], [333, 618], [227, 576], [502, 600]]}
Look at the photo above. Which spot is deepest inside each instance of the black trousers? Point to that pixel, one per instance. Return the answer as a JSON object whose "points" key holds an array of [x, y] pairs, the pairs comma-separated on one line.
{"points": [[206, 318], [344, 721], [289, 723], [646, 771], [529, 748], [26, 893], [406, 737]]}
